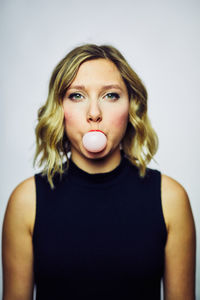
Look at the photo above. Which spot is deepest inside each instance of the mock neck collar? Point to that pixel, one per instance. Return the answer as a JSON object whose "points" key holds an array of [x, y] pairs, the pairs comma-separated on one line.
{"points": [[83, 177]]}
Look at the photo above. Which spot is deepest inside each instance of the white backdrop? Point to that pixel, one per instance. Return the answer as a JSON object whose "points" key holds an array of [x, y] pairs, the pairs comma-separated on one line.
{"points": [[160, 39]]}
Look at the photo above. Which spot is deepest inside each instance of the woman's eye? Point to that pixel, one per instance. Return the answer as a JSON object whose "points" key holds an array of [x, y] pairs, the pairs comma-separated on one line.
{"points": [[75, 96], [112, 96]]}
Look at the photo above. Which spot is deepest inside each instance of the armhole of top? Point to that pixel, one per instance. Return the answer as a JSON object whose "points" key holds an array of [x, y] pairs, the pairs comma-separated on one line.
{"points": [[36, 207], [161, 205]]}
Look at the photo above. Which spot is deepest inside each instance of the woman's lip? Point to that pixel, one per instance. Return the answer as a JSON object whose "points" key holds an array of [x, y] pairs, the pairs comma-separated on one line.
{"points": [[96, 130]]}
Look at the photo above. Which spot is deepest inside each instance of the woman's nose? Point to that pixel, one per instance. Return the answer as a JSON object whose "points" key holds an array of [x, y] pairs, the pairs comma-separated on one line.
{"points": [[94, 113]]}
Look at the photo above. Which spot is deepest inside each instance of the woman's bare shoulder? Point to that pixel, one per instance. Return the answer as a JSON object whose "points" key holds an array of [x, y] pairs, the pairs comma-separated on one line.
{"points": [[22, 202], [24, 194], [171, 185], [175, 201], [26, 186]]}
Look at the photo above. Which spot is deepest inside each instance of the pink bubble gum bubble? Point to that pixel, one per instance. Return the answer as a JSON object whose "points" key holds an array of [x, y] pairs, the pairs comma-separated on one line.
{"points": [[94, 141]]}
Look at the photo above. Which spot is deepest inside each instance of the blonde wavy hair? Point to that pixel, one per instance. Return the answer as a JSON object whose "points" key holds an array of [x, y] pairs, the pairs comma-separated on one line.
{"points": [[140, 141]]}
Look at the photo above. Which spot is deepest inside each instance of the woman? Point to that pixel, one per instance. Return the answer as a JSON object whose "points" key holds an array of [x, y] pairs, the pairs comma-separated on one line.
{"points": [[97, 224]]}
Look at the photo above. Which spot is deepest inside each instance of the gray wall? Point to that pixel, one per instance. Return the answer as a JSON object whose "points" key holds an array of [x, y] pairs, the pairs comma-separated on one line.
{"points": [[160, 39]]}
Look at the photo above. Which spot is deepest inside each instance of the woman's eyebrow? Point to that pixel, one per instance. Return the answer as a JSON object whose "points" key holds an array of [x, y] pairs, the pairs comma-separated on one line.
{"points": [[105, 87]]}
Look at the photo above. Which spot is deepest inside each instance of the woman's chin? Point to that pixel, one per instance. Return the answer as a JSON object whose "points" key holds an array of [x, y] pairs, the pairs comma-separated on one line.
{"points": [[95, 154]]}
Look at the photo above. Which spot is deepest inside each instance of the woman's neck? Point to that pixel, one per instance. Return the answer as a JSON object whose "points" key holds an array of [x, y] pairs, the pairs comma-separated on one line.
{"points": [[100, 165]]}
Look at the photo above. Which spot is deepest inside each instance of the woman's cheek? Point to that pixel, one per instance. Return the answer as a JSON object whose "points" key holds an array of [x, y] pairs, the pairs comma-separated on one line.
{"points": [[74, 123], [70, 118], [120, 119]]}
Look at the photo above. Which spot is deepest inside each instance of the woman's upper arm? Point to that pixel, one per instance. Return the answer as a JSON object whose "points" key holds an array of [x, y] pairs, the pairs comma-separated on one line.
{"points": [[17, 251], [179, 275]]}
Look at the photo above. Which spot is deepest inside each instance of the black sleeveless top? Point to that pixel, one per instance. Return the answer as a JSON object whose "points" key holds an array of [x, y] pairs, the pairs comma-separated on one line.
{"points": [[99, 236]]}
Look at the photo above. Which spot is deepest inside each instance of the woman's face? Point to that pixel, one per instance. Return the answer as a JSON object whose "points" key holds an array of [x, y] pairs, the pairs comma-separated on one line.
{"points": [[97, 99]]}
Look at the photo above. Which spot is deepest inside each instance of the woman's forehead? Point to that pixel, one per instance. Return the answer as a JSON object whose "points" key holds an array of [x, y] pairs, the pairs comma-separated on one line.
{"points": [[98, 72]]}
